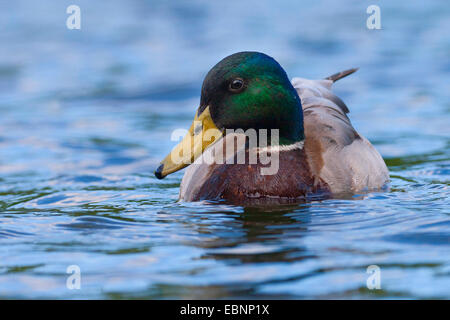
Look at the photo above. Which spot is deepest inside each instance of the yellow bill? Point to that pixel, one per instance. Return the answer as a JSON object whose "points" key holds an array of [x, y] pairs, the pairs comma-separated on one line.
{"points": [[202, 133]]}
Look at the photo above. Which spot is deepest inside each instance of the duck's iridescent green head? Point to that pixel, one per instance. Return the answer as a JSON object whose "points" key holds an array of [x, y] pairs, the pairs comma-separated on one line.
{"points": [[247, 90], [250, 90]]}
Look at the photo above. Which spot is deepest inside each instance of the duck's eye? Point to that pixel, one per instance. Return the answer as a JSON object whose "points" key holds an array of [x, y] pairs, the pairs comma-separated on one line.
{"points": [[236, 84]]}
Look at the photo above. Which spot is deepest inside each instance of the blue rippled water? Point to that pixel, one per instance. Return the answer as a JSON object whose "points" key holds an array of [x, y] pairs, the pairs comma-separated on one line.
{"points": [[87, 114]]}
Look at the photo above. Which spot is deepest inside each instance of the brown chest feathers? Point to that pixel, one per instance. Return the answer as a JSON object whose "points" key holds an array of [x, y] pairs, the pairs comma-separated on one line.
{"points": [[245, 183]]}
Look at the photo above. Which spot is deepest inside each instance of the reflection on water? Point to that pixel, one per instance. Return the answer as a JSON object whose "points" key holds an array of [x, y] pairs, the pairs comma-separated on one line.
{"points": [[87, 115]]}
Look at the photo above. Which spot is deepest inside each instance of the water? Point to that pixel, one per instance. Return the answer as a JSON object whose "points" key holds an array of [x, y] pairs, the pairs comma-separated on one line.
{"points": [[87, 115]]}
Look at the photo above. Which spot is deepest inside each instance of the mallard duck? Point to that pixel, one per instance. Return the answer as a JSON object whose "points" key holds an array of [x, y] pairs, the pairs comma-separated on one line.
{"points": [[319, 153]]}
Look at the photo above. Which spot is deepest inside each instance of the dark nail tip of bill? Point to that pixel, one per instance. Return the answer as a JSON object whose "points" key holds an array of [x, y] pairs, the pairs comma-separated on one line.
{"points": [[158, 172]]}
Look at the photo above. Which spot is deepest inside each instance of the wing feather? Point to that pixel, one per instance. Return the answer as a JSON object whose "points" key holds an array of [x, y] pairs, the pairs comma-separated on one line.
{"points": [[343, 158]]}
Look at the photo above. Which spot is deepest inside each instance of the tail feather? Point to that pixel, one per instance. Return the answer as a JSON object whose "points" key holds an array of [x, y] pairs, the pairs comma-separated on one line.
{"points": [[335, 77]]}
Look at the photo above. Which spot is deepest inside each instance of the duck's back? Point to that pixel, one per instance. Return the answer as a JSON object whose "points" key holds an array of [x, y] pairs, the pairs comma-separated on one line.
{"points": [[344, 159]]}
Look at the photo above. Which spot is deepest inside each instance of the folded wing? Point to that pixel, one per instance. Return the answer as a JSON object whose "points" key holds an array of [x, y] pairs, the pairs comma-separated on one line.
{"points": [[343, 158]]}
